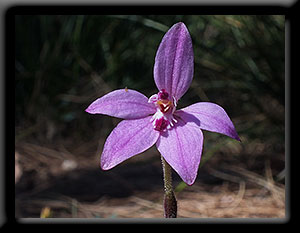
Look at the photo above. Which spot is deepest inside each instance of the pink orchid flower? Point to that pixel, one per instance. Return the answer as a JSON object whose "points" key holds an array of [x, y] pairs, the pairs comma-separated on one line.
{"points": [[176, 133]]}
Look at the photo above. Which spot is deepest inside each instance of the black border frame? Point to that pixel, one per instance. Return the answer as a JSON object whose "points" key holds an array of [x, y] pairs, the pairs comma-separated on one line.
{"points": [[9, 46]]}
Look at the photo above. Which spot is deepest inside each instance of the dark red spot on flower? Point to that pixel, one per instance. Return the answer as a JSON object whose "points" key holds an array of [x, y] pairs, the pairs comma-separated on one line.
{"points": [[161, 124], [163, 94]]}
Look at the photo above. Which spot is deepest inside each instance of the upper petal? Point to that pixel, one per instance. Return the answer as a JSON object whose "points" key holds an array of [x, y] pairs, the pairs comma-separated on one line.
{"points": [[174, 61], [181, 146], [209, 116], [130, 137], [123, 103]]}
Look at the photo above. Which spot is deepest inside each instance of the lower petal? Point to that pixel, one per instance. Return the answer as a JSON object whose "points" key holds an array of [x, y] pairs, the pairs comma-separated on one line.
{"points": [[181, 146], [130, 137]]}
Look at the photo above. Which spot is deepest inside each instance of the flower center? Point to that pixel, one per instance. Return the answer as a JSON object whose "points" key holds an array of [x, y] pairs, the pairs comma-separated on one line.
{"points": [[165, 107]]}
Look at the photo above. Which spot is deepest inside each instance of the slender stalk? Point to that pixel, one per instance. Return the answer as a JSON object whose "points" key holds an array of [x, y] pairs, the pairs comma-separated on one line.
{"points": [[170, 203]]}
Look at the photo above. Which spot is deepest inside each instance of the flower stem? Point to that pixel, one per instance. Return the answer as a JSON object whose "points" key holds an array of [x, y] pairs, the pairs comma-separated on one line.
{"points": [[170, 203]]}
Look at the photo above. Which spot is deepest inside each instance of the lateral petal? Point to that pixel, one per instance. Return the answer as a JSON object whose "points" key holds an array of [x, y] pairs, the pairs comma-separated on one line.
{"points": [[130, 137], [181, 146], [174, 61], [123, 103], [209, 116]]}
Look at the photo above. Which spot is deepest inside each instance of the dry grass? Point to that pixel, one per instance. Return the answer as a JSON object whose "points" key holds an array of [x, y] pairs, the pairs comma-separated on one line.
{"points": [[240, 193], [243, 203]]}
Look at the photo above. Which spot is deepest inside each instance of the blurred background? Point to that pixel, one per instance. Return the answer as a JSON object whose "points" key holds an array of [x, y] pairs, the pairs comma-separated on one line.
{"points": [[63, 63]]}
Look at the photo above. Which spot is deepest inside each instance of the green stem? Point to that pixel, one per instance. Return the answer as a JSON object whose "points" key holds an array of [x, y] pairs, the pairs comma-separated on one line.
{"points": [[170, 203]]}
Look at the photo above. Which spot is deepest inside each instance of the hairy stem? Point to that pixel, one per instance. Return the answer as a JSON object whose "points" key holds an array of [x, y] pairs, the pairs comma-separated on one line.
{"points": [[170, 203]]}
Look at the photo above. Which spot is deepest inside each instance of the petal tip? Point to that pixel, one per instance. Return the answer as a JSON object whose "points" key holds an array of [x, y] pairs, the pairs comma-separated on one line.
{"points": [[90, 109], [87, 110], [238, 138], [190, 183], [234, 135], [104, 163], [105, 166], [180, 24]]}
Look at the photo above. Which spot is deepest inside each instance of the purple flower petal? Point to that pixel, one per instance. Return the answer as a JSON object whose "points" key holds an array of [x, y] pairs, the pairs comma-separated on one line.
{"points": [[130, 137], [124, 103], [174, 61], [181, 147], [209, 116]]}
